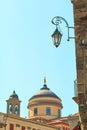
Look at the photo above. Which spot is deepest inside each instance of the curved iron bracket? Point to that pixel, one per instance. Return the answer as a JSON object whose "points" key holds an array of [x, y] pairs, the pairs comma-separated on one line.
{"points": [[58, 20]]}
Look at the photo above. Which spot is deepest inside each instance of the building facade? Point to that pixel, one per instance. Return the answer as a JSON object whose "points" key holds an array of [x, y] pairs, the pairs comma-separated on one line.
{"points": [[44, 113], [80, 21]]}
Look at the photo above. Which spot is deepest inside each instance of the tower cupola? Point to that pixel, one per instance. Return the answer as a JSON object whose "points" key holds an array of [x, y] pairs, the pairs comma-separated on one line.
{"points": [[13, 104]]}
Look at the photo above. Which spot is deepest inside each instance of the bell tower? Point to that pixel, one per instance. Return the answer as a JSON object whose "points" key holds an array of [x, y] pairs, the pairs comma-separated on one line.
{"points": [[13, 104], [80, 22]]}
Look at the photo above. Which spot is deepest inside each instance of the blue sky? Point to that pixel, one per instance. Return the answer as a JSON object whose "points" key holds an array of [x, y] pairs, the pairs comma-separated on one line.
{"points": [[27, 53]]}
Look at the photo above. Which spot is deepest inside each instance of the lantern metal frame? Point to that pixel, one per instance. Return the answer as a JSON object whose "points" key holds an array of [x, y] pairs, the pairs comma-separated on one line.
{"points": [[58, 20]]}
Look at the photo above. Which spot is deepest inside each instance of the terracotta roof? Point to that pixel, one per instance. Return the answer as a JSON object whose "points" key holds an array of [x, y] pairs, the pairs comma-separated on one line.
{"points": [[75, 128]]}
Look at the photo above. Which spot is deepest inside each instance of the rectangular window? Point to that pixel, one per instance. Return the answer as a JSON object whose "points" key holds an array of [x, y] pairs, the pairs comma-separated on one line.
{"points": [[1, 126], [48, 111], [63, 128], [23, 128], [28, 128], [11, 127], [35, 111], [59, 113]]}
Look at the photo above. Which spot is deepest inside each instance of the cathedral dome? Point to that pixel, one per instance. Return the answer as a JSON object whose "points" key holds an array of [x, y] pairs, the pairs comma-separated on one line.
{"points": [[45, 104], [14, 95], [44, 92]]}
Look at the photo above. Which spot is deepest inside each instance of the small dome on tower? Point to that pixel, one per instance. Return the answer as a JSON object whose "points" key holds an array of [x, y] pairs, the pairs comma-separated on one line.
{"points": [[13, 95], [13, 104]]}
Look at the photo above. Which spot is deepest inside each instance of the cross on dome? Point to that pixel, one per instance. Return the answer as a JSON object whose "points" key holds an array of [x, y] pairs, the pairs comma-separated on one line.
{"points": [[45, 80]]}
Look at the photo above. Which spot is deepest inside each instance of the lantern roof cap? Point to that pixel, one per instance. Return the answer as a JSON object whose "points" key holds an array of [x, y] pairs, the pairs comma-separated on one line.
{"points": [[56, 32]]}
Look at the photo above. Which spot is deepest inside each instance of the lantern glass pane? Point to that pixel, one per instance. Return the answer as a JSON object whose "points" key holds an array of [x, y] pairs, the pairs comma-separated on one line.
{"points": [[57, 39]]}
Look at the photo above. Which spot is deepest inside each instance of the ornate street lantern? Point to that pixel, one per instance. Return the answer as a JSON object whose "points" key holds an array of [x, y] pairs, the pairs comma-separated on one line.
{"points": [[57, 35]]}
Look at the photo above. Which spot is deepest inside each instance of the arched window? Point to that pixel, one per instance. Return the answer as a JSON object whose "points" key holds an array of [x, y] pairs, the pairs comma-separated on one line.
{"points": [[16, 109], [35, 111], [10, 108]]}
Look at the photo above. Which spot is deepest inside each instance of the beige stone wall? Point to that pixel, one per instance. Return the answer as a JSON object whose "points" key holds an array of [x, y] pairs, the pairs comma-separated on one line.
{"points": [[42, 103], [42, 111], [13, 102], [73, 122], [19, 122]]}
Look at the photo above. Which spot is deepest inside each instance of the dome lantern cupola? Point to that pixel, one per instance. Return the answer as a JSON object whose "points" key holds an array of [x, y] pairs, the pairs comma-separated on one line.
{"points": [[45, 85]]}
